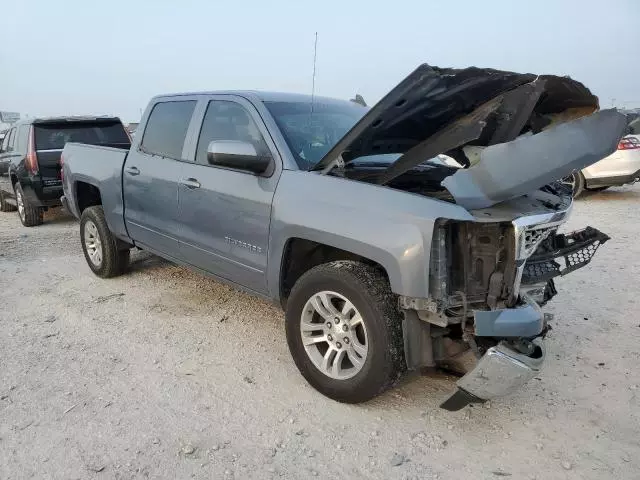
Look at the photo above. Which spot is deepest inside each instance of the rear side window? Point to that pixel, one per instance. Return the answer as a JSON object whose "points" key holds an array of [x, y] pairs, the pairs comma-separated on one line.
{"points": [[54, 136], [10, 141], [167, 127], [22, 138], [5, 142]]}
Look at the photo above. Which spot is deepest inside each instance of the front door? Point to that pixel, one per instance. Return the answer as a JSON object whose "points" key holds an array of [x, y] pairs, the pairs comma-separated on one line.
{"points": [[150, 178], [225, 213]]}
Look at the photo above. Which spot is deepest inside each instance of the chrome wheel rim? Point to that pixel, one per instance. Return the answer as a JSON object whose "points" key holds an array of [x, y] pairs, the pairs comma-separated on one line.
{"points": [[570, 181], [334, 335], [92, 243], [20, 203]]}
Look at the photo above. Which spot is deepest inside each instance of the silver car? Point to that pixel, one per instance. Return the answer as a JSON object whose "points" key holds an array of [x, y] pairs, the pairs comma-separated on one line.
{"points": [[622, 167]]}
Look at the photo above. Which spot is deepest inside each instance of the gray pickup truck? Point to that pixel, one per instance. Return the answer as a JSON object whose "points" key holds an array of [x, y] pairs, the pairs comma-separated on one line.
{"points": [[385, 258]]}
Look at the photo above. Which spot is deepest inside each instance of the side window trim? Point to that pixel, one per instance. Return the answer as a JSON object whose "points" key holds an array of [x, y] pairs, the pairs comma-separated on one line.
{"points": [[190, 148]]}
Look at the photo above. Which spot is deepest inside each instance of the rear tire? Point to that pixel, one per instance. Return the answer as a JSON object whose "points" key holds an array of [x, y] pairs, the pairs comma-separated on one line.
{"points": [[4, 206], [30, 216], [367, 355], [99, 245]]}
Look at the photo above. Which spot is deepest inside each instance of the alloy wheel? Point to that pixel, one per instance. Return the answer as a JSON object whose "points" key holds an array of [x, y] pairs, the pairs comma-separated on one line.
{"points": [[92, 243], [334, 335], [20, 202]]}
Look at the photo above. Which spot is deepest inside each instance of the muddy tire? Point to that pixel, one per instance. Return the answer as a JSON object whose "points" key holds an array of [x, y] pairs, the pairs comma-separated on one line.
{"points": [[4, 206], [99, 245], [30, 216], [344, 331]]}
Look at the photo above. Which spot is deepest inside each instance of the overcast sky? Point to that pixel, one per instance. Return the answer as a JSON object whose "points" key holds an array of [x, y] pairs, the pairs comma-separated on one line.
{"points": [[110, 57]]}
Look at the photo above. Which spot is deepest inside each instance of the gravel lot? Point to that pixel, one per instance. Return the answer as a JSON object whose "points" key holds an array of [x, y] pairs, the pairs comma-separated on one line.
{"points": [[163, 373]]}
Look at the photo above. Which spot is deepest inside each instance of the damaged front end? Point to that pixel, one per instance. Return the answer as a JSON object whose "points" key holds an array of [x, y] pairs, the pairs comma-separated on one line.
{"points": [[513, 136], [488, 281]]}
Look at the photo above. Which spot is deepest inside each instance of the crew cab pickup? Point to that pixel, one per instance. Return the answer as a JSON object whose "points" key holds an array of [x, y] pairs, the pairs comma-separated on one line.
{"points": [[30, 153], [383, 259]]}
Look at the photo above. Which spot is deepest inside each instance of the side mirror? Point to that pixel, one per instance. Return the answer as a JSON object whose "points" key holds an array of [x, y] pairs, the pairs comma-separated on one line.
{"points": [[238, 155]]}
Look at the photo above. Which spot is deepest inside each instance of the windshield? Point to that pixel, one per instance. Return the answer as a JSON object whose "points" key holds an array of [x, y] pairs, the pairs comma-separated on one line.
{"points": [[311, 135]]}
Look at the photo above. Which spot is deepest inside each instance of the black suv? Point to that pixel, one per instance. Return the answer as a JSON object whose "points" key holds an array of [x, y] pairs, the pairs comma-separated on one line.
{"points": [[31, 152]]}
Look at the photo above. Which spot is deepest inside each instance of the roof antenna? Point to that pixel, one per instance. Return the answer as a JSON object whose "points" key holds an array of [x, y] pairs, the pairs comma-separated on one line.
{"points": [[313, 80]]}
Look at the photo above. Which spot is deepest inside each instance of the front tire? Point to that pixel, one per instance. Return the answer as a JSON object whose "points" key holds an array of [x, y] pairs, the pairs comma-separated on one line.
{"points": [[344, 331], [99, 245], [30, 216]]}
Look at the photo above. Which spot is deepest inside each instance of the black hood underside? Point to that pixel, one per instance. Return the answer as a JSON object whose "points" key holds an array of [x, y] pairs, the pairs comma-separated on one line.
{"points": [[482, 106]]}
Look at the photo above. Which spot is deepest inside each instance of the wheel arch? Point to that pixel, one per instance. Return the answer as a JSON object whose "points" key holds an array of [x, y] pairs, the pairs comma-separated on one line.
{"points": [[86, 195], [301, 253]]}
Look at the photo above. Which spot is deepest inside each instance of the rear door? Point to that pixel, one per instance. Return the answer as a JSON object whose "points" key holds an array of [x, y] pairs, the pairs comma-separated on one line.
{"points": [[150, 177], [225, 213]]}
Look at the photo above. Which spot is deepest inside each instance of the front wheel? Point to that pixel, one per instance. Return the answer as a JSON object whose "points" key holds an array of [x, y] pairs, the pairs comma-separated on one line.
{"points": [[344, 331], [99, 245]]}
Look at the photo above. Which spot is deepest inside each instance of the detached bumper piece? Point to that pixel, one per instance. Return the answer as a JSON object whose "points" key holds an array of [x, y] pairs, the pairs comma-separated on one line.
{"points": [[575, 249], [499, 372]]}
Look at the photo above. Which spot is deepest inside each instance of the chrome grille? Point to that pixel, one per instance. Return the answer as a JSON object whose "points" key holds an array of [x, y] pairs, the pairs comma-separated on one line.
{"points": [[532, 238], [529, 232]]}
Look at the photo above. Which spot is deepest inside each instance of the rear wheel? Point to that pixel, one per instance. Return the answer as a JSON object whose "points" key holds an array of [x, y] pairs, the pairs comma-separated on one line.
{"points": [[4, 206], [30, 216], [344, 331], [100, 247], [577, 183]]}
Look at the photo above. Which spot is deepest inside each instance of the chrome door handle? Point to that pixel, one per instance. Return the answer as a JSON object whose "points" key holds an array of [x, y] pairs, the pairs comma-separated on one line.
{"points": [[190, 183], [132, 171]]}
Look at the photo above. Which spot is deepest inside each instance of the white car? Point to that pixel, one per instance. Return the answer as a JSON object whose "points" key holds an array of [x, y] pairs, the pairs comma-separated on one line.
{"points": [[620, 168]]}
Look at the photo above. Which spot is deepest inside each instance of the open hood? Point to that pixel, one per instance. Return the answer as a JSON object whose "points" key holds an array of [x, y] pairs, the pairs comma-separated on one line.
{"points": [[445, 111]]}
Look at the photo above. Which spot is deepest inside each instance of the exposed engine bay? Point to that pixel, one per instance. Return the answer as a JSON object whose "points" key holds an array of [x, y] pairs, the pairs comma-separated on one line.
{"points": [[488, 280], [511, 133]]}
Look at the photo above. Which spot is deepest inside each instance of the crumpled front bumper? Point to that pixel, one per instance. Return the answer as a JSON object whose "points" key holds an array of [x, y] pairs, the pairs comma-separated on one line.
{"points": [[499, 372]]}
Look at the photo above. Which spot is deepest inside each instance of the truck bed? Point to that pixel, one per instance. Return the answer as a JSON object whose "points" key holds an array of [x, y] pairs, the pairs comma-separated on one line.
{"points": [[87, 166]]}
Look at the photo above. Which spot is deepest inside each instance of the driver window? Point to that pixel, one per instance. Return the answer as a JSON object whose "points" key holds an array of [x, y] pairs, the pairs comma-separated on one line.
{"points": [[225, 120]]}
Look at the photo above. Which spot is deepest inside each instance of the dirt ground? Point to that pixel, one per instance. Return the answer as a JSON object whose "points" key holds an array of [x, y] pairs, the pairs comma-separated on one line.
{"points": [[163, 373]]}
